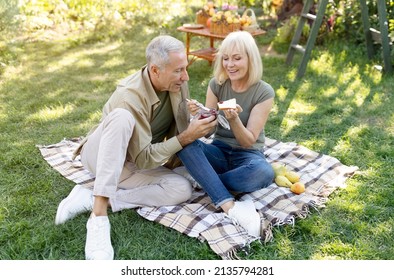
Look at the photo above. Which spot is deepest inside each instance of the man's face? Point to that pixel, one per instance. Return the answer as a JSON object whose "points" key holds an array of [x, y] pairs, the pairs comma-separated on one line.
{"points": [[174, 74]]}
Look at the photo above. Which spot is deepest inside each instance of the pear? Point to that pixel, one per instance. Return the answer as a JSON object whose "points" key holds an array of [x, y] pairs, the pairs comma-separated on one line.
{"points": [[298, 188], [292, 176], [279, 169], [282, 181]]}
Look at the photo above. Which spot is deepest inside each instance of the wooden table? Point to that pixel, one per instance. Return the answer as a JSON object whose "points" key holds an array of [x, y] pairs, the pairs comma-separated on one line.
{"points": [[206, 53]]}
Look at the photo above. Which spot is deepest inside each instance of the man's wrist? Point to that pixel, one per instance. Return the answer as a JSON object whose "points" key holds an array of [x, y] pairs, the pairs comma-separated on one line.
{"points": [[184, 139]]}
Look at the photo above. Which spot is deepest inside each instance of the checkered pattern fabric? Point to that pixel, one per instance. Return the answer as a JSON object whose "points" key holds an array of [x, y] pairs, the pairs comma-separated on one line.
{"points": [[198, 218]]}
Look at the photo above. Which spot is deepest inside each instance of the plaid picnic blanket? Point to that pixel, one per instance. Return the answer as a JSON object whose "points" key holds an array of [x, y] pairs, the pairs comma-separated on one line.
{"points": [[198, 218]]}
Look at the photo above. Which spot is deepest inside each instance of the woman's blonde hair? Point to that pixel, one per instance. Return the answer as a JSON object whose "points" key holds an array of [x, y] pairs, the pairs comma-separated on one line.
{"points": [[244, 43]]}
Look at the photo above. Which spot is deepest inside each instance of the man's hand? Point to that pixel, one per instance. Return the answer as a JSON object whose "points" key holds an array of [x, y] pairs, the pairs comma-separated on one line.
{"points": [[197, 129]]}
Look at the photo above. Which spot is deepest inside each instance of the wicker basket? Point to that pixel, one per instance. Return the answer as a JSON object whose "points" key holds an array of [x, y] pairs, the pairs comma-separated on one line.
{"points": [[217, 27], [253, 26], [236, 27], [202, 18], [224, 28]]}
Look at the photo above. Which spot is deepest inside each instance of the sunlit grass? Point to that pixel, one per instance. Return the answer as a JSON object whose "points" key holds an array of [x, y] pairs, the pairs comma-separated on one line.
{"points": [[55, 90], [51, 113]]}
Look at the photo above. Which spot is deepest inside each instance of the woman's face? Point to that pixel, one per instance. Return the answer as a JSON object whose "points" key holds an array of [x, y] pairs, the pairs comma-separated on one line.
{"points": [[236, 65]]}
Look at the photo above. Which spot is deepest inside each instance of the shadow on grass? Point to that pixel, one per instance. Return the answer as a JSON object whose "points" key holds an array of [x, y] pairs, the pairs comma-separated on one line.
{"points": [[351, 120], [58, 91]]}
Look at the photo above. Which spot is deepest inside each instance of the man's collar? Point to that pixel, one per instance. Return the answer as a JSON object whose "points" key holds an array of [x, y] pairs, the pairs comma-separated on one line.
{"points": [[148, 85]]}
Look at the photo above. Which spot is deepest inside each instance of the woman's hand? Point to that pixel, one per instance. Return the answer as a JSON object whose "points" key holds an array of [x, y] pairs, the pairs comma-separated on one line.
{"points": [[232, 114], [247, 135], [192, 107]]}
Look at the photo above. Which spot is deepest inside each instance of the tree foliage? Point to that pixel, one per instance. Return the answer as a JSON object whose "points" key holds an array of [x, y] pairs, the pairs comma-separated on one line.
{"points": [[8, 11], [349, 22], [105, 16], [108, 16]]}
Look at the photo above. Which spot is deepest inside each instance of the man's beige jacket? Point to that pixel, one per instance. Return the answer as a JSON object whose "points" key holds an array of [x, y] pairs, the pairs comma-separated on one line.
{"points": [[136, 94]]}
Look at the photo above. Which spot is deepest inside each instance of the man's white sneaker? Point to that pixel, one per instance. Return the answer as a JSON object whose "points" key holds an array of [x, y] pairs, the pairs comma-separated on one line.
{"points": [[79, 200], [98, 239], [244, 213]]}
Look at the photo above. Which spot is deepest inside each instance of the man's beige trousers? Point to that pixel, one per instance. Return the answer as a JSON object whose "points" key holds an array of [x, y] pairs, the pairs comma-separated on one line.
{"points": [[104, 154]]}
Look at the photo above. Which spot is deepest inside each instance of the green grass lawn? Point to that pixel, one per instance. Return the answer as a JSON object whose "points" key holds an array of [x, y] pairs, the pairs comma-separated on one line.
{"points": [[342, 107]]}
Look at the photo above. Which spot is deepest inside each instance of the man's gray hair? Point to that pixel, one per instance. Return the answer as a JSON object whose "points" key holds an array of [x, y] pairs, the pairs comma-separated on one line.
{"points": [[157, 51]]}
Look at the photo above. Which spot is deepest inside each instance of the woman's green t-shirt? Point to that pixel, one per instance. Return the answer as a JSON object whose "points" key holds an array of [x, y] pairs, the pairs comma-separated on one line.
{"points": [[257, 93]]}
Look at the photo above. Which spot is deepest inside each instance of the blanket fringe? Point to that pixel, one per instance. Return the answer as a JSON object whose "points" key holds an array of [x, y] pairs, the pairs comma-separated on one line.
{"points": [[306, 210], [232, 255], [267, 235]]}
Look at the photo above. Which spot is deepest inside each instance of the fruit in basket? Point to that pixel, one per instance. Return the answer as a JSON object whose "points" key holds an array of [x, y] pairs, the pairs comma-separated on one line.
{"points": [[246, 21], [228, 14], [209, 20], [225, 21]]}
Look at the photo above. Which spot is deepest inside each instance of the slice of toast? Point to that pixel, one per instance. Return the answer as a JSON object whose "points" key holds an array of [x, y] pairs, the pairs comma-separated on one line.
{"points": [[228, 104]]}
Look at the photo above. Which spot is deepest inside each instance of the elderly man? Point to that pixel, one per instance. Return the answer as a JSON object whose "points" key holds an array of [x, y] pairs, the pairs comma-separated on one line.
{"points": [[144, 124]]}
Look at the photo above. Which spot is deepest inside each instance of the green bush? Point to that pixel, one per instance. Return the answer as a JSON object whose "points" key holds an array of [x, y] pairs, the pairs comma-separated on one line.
{"points": [[99, 17], [8, 10], [342, 20], [349, 23]]}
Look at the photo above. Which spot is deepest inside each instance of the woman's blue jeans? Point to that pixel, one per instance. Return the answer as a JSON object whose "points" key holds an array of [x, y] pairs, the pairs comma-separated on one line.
{"points": [[220, 169]]}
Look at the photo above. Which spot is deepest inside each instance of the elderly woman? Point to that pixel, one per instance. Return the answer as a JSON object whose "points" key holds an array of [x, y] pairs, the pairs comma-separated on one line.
{"points": [[234, 162]]}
